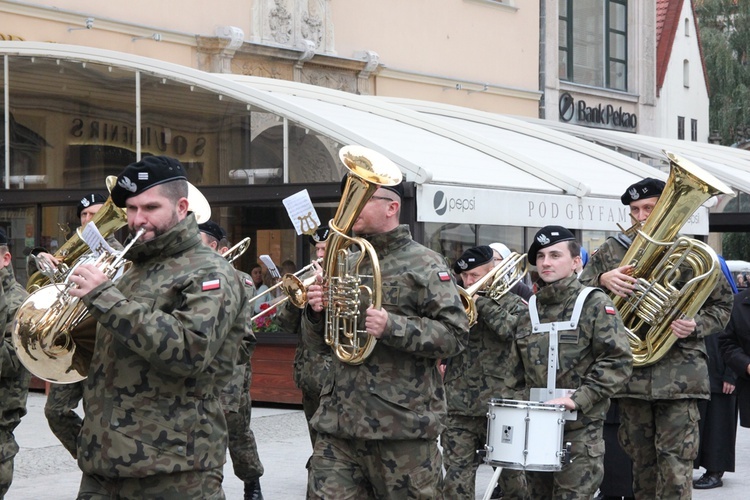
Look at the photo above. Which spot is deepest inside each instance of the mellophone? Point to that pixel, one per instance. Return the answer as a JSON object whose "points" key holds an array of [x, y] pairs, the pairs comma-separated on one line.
{"points": [[525, 435]]}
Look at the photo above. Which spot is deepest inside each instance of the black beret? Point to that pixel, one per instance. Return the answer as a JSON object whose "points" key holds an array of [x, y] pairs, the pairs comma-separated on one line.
{"points": [[473, 257], [320, 235], [548, 236], [145, 174], [647, 188], [3, 237], [212, 229], [88, 200]]}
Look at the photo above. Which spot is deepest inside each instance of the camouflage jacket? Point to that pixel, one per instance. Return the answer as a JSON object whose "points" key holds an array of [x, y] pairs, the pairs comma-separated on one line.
{"points": [[231, 394], [683, 371], [594, 359], [397, 392], [14, 378], [489, 366], [312, 364], [166, 345]]}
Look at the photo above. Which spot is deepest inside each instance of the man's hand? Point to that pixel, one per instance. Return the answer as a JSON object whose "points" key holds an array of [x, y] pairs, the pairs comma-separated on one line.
{"points": [[683, 327], [86, 277], [619, 281], [727, 388], [315, 297], [51, 260], [565, 401], [376, 321]]}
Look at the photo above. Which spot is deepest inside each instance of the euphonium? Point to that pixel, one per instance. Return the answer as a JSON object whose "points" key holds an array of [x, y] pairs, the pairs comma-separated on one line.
{"points": [[53, 333], [496, 283], [108, 219], [368, 170], [660, 261]]}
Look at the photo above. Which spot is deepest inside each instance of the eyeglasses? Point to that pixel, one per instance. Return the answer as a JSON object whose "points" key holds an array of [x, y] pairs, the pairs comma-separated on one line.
{"points": [[381, 198]]}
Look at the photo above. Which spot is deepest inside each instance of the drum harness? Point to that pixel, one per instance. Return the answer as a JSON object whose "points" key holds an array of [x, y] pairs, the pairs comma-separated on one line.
{"points": [[553, 360]]}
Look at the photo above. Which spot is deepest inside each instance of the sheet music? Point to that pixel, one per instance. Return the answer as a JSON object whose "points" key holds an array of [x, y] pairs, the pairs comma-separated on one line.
{"points": [[95, 240], [302, 212]]}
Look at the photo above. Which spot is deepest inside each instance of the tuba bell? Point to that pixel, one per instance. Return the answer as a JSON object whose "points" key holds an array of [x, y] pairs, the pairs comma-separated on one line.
{"points": [[657, 253], [496, 283], [367, 171]]}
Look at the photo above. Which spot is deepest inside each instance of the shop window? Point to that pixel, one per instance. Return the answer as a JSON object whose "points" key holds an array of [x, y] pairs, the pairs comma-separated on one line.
{"points": [[593, 39]]}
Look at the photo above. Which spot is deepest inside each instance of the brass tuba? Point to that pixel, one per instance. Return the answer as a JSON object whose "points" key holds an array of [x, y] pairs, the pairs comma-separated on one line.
{"points": [[657, 258], [108, 219], [53, 333], [368, 170], [496, 283]]}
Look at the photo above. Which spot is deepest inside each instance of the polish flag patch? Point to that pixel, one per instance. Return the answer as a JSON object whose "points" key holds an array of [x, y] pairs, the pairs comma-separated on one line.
{"points": [[610, 310], [444, 276], [249, 282], [211, 285]]}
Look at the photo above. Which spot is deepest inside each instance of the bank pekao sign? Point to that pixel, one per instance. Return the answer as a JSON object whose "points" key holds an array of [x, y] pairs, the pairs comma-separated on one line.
{"points": [[463, 205], [596, 115]]}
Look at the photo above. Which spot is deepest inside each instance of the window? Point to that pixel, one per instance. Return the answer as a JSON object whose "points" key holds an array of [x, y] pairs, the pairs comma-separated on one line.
{"points": [[687, 27], [694, 130], [686, 73], [681, 127], [593, 42]]}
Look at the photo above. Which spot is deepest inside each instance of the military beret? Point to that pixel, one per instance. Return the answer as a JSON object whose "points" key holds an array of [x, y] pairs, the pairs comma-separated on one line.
{"points": [[3, 237], [647, 188], [88, 200], [145, 174], [320, 235], [212, 229], [548, 236], [473, 257]]}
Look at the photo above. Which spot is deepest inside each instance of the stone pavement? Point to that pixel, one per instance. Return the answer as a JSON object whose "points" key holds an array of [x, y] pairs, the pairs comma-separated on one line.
{"points": [[45, 471]]}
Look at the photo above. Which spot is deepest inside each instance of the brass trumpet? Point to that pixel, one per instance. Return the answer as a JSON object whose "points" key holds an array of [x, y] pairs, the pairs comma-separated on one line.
{"points": [[236, 251], [293, 287], [501, 278]]}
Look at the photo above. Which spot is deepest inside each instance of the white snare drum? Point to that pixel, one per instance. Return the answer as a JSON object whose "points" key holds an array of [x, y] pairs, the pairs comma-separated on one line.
{"points": [[523, 435]]}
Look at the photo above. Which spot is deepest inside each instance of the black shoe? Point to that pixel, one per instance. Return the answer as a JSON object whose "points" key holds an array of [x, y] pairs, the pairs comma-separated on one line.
{"points": [[252, 490], [708, 480]]}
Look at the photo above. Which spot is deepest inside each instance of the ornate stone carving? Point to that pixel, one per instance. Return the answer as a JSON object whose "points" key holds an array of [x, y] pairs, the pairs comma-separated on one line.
{"points": [[289, 22], [280, 23]]}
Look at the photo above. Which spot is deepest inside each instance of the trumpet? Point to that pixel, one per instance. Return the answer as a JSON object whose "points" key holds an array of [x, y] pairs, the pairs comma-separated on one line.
{"points": [[496, 283]]}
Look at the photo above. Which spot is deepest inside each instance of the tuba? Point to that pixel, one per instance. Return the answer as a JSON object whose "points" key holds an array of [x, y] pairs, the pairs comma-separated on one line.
{"points": [[108, 219], [367, 171], [53, 333], [657, 254], [496, 283]]}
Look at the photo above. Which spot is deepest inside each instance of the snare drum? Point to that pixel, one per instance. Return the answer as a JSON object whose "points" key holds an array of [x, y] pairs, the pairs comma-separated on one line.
{"points": [[523, 435]]}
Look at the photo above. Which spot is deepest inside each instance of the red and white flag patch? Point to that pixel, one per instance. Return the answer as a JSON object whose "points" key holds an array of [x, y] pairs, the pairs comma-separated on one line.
{"points": [[610, 310], [249, 282], [211, 285], [444, 276]]}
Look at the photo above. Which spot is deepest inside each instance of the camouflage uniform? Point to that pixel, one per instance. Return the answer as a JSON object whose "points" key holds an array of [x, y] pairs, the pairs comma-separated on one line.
{"points": [[14, 378], [658, 405], [62, 399], [595, 360], [378, 422], [165, 348], [235, 399], [488, 367], [311, 365]]}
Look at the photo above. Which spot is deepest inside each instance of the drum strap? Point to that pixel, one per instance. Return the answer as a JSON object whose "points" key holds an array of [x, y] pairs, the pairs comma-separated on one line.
{"points": [[553, 361]]}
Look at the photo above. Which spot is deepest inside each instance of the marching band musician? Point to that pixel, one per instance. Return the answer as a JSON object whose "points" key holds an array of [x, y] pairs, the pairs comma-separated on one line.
{"points": [[378, 421], [311, 365], [235, 397], [62, 399], [487, 368], [166, 341], [593, 360], [658, 405], [14, 378]]}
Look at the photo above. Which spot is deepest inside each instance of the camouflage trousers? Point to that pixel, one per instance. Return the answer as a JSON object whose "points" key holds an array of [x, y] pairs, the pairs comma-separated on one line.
{"points": [[310, 403], [192, 485], [661, 437], [460, 441], [64, 423], [242, 447], [356, 469], [6, 476], [579, 478]]}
